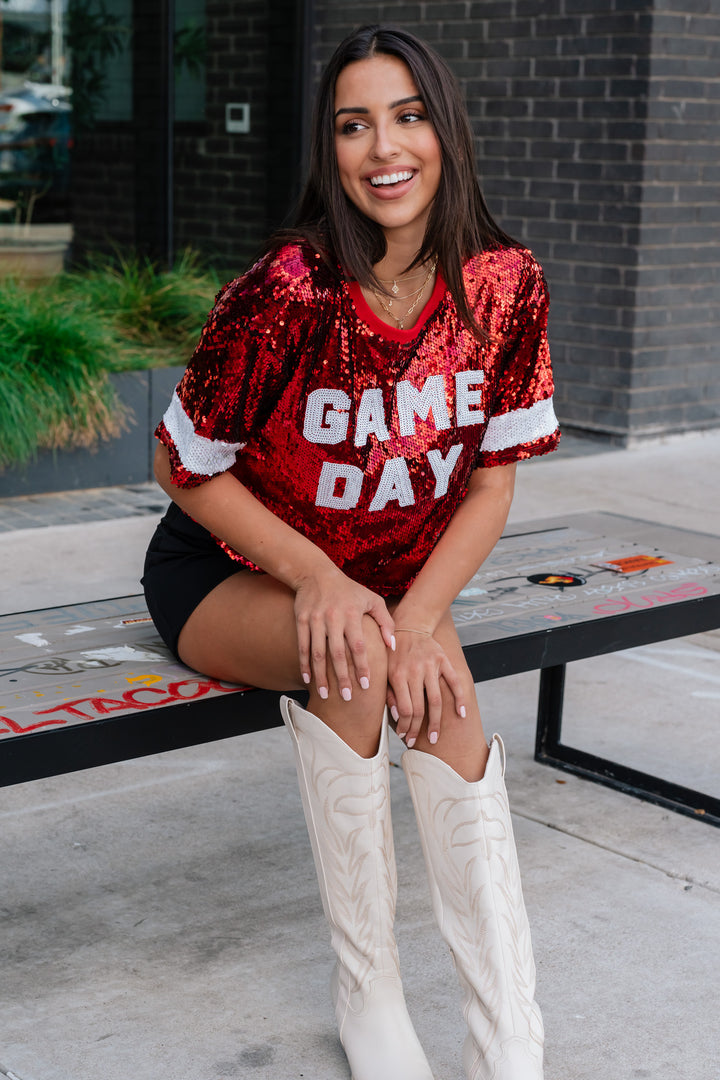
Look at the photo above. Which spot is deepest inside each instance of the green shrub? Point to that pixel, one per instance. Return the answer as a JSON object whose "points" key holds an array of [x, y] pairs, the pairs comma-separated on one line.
{"points": [[162, 311], [59, 340], [54, 387]]}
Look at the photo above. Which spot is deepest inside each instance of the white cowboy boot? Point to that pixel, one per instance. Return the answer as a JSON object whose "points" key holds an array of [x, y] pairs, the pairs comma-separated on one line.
{"points": [[346, 799], [467, 840]]}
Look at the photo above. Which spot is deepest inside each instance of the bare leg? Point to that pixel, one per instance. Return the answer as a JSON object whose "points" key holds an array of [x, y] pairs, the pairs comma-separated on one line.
{"points": [[462, 743], [244, 632], [460, 801]]}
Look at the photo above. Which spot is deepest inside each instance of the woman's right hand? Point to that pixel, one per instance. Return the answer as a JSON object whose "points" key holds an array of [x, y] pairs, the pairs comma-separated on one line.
{"points": [[329, 612]]}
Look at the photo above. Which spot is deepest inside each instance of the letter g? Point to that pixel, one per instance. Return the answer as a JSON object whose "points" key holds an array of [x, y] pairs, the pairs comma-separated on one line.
{"points": [[323, 424]]}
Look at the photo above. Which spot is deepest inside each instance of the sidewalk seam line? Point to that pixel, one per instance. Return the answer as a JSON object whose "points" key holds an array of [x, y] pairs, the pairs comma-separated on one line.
{"points": [[673, 875]]}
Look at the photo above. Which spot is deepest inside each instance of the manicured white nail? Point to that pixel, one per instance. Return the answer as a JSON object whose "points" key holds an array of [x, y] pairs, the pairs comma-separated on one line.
{"points": [[392, 642], [432, 737], [365, 682], [394, 713], [410, 743], [323, 692], [462, 711], [346, 693], [306, 677]]}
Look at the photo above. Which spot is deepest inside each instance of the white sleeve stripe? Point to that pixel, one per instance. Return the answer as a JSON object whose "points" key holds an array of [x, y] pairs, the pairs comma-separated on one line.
{"points": [[520, 426], [204, 457]]}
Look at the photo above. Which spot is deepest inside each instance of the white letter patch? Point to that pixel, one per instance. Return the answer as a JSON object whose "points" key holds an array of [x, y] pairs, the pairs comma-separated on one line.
{"points": [[371, 417], [443, 467], [394, 484], [332, 472], [412, 402], [465, 397], [323, 425]]}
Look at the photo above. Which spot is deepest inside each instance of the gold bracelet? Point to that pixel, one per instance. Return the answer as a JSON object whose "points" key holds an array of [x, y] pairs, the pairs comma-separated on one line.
{"points": [[409, 630]]}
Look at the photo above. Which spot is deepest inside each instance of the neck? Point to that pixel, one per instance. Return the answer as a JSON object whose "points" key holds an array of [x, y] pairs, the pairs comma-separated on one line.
{"points": [[401, 250], [390, 269]]}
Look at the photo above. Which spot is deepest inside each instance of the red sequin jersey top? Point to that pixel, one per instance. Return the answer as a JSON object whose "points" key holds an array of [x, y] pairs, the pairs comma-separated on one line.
{"points": [[360, 436]]}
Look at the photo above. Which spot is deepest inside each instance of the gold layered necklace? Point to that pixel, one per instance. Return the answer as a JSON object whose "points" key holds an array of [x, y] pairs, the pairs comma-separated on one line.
{"points": [[396, 288], [387, 307]]}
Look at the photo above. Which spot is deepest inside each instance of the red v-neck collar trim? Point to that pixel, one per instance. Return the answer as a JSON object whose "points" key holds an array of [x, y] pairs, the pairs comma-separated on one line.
{"points": [[383, 329]]}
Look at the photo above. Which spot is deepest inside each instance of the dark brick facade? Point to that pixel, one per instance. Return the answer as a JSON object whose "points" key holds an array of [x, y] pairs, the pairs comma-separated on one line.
{"points": [[596, 126], [102, 190], [229, 190]]}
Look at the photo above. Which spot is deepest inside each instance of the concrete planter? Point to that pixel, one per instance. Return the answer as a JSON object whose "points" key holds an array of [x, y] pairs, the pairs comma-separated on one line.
{"points": [[32, 258], [124, 460], [34, 251]]}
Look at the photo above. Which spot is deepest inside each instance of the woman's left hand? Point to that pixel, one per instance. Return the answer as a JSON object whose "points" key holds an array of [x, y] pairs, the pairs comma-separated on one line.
{"points": [[415, 671]]}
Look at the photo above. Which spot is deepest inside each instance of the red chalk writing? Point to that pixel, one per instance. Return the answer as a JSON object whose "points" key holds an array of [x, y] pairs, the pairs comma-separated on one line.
{"points": [[22, 729], [620, 604], [141, 698]]}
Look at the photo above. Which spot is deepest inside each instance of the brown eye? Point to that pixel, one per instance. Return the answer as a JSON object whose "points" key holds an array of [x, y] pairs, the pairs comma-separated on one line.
{"points": [[350, 127]]}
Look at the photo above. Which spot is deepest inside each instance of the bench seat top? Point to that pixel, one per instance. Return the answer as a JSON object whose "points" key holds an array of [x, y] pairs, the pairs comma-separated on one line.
{"points": [[551, 591]]}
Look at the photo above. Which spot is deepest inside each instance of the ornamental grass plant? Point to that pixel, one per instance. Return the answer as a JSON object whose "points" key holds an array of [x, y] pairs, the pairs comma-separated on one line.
{"points": [[54, 387], [155, 315], [60, 340]]}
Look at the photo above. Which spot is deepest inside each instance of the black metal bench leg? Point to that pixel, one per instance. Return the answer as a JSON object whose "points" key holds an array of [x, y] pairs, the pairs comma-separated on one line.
{"points": [[549, 750], [550, 706]]}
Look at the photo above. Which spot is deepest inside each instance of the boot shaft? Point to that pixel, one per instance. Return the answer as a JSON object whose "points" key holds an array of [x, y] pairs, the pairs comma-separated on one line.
{"points": [[469, 848]]}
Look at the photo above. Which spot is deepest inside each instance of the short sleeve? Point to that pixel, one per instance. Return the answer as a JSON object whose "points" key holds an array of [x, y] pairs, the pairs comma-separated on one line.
{"points": [[522, 420], [236, 374]]}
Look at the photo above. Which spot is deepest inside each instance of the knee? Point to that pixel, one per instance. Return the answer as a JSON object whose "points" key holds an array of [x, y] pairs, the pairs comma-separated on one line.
{"points": [[367, 669], [376, 650], [358, 720], [367, 659]]}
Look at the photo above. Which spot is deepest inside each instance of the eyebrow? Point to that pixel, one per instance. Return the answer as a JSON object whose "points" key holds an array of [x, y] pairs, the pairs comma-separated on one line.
{"points": [[392, 105]]}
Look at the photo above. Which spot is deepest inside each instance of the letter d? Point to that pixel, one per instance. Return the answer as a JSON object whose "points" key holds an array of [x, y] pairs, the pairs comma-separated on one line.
{"points": [[332, 471]]}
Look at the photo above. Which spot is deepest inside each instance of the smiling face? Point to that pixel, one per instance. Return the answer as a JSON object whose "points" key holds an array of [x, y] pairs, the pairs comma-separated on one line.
{"points": [[388, 155]]}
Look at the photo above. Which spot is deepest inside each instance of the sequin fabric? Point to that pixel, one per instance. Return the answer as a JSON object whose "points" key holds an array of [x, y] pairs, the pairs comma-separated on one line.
{"points": [[360, 436]]}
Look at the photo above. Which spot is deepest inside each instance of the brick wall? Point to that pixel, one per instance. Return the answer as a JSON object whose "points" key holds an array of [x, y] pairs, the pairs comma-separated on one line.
{"points": [[219, 177], [230, 189], [101, 190], [676, 358], [596, 126], [596, 134]]}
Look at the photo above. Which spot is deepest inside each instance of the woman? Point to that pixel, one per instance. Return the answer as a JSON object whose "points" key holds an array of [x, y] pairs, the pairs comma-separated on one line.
{"points": [[349, 425]]}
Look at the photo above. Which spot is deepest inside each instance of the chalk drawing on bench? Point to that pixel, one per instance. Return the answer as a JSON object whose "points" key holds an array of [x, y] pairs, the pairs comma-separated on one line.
{"points": [[497, 604], [125, 668], [54, 675]]}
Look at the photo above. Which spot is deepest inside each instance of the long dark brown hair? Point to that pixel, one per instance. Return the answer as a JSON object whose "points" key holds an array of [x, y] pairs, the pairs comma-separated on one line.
{"points": [[459, 225]]}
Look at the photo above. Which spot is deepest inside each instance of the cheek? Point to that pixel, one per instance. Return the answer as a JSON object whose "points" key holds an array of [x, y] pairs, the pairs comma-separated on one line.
{"points": [[434, 156], [344, 163]]}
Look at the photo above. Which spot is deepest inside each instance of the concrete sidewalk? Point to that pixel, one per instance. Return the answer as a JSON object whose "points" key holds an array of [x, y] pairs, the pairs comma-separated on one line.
{"points": [[161, 918]]}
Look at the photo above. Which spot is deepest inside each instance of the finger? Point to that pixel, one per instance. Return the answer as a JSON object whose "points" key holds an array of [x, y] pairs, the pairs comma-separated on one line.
{"points": [[455, 684], [392, 706], [318, 657], [303, 636], [338, 659], [418, 694], [433, 693], [404, 708], [385, 621], [355, 640]]}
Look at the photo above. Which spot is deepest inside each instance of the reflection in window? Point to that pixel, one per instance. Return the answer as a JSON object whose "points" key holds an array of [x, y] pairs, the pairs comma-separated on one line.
{"points": [[190, 51], [35, 110], [99, 39]]}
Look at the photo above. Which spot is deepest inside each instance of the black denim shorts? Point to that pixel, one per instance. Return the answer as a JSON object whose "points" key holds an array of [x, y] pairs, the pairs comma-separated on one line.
{"points": [[183, 564]]}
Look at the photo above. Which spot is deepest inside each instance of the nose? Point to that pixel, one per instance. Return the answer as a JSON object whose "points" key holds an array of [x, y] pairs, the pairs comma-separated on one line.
{"points": [[385, 145]]}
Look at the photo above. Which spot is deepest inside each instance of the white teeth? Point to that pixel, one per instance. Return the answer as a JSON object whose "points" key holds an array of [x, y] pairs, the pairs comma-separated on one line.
{"points": [[391, 178]]}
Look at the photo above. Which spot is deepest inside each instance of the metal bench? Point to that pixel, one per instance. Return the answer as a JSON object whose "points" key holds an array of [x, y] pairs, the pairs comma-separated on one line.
{"points": [[89, 684]]}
